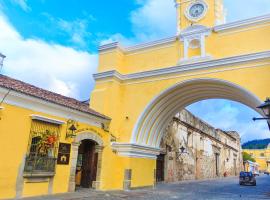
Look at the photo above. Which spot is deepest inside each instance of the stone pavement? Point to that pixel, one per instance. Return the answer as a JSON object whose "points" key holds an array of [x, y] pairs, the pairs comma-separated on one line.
{"points": [[218, 189]]}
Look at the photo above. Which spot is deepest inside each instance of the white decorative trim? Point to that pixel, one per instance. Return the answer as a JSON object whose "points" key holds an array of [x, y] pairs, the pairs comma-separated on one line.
{"points": [[196, 19], [135, 150], [191, 31], [243, 23], [89, 136], [39, 105], [184, 67], [109, 46], [150, 44], [195, 59], [198, 33], [152, 122], [137, 47], [46, 119]]}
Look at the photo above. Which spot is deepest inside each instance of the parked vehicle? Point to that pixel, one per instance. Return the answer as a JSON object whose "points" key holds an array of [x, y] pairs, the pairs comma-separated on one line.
{"points": [[267, 173], [247, 178]]}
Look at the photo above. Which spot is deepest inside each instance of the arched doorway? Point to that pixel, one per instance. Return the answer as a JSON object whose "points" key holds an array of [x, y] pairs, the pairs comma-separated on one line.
{"points": [[86, 168]]}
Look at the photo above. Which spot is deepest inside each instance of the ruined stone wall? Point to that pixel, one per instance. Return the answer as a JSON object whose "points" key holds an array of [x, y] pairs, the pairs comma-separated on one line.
{"points": [[209, 152]]}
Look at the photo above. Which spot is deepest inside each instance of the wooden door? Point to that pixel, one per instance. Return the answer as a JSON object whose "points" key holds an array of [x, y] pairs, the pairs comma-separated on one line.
{"points": [[89, 164], [160, 168]]}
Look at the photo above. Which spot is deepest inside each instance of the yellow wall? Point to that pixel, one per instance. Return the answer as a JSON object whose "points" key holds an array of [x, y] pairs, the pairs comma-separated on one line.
{"points": [[125, 101], [261, 160], [15, 125]]}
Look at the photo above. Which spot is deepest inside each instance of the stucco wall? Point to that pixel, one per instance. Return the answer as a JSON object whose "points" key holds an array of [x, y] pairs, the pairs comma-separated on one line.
{"points": [[202, 143]]}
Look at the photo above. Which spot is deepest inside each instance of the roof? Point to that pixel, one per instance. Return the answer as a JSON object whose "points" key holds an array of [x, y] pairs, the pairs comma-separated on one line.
{"points": [[31, 90]]}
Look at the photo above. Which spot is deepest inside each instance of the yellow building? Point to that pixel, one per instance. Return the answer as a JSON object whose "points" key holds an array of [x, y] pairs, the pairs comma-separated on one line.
{"points": [[42, 135], [50, 143], [142, 87], [262, 157]]}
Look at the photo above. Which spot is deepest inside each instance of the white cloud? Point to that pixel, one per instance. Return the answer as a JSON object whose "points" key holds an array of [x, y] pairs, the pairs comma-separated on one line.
{"points": [[50, 66], [231, 116], [242, 9], [155, 19], [22, 4], [77, 30]]}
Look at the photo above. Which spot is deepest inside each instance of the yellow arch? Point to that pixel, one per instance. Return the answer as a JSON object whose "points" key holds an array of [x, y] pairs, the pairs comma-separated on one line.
{"points": [[150, 126]]}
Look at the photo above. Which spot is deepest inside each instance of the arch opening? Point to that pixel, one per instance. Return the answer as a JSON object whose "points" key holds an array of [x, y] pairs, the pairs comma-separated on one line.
{"points": [[152, 123]]}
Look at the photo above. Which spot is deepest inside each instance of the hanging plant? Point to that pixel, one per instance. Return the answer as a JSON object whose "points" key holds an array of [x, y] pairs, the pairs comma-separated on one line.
{"points": [[46, 142]]}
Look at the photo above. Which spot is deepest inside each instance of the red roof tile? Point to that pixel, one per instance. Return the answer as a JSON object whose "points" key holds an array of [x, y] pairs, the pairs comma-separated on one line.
{"points": [[31, 90]]}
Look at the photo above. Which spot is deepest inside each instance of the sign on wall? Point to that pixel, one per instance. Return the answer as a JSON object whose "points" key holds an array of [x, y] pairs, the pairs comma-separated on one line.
{"points": [[63, 154]]}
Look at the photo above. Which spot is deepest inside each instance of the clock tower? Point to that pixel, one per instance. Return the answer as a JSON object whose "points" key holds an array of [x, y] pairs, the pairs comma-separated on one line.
{"points": [[199, 12]]}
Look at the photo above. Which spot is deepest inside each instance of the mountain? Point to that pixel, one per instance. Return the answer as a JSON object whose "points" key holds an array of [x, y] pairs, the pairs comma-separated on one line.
{"points": [[256, 144]]}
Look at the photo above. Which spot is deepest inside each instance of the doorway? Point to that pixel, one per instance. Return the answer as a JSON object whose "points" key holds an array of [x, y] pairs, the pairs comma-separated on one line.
{"points": [[160, 168], [86, 169]]}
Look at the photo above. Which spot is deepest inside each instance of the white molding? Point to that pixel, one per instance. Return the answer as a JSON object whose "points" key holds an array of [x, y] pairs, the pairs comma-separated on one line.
{"points": [[35, 104], [109, 46], [243, 23], [135, 150], [47, 119], [184, 67], [219, 28], [150, 44], [137, 47]]}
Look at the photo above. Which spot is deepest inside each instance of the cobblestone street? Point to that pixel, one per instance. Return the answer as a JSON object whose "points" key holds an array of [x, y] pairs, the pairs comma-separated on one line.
{"points": [[211, 189]]}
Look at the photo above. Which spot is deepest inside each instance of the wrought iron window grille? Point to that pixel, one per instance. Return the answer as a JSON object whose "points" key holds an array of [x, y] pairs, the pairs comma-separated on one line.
{"points": [[42, 149]]}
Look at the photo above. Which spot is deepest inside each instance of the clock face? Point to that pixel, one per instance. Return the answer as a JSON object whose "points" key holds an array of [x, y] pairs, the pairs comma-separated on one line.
{"points": [[196, 10]]}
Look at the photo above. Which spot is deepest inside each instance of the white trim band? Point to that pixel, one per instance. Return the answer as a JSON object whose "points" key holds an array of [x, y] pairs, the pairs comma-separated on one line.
{"points": [[46, 119], [135, 150], [243, 23], [39, 105], [184, 67]]}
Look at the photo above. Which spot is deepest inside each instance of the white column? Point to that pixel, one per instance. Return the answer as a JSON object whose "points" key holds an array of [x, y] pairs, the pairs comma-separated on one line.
{"points": [[202, 44], [178, 17], [186, 46]]}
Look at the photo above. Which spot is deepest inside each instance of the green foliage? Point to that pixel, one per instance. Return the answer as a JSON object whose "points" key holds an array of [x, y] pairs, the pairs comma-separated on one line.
{"points": [[246, 157], [256, 144]]}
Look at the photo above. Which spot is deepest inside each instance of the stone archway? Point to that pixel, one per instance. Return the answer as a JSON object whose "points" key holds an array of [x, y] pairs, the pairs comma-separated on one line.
{"points": [[74, 156]]}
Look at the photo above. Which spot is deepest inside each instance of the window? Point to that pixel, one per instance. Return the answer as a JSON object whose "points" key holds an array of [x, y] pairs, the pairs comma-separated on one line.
{"points": [[42, 149], [189, 139], [262, 154]]}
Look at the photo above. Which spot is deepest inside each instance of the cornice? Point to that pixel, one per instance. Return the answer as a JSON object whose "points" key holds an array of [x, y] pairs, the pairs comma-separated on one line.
{"points": [[243, 23], [135, 150], [184, 67], [143, 46], [219, 28], [47, 119], [38, 105]]}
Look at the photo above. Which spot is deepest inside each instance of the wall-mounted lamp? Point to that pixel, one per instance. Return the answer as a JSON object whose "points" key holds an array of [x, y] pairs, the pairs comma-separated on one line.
{"points": [[182, 150], [265, 107], [71, 128]]}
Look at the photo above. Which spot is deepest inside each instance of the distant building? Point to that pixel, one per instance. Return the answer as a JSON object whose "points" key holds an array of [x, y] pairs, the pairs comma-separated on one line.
{"points": [[208, 153], [250, 166], [262, 157]]}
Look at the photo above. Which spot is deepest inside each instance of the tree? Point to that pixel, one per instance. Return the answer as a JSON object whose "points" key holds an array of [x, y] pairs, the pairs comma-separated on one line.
{"points": [[246, 157]]}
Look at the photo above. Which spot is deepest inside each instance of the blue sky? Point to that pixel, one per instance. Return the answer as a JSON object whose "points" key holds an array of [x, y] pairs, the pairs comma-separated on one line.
{"points": [[53, 44]]}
